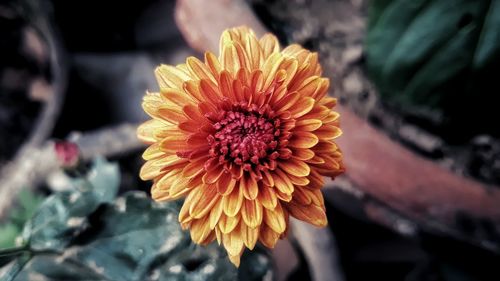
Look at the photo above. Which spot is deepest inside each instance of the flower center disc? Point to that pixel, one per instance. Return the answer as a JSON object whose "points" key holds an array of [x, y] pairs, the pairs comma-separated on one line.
{"points": [[246, 137]]}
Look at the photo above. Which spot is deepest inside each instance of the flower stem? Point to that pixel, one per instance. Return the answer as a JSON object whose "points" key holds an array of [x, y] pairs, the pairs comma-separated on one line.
{"points": [[13, 251]]}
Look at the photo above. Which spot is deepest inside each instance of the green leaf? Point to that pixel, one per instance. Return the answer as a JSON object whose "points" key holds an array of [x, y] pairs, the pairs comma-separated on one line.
{"points": [[8, 234], [442, 56], [88, 234], [62, 215], [136, 239]]}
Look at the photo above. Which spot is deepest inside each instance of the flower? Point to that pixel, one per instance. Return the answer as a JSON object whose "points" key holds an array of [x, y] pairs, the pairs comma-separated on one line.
{"points": [[246, 137]]}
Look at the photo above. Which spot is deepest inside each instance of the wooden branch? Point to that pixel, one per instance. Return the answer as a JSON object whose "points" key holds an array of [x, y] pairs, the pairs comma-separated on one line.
{"points": [[34, 164]]}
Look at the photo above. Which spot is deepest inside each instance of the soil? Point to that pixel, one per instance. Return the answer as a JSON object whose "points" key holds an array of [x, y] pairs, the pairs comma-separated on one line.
{"points": [[335, 29]]}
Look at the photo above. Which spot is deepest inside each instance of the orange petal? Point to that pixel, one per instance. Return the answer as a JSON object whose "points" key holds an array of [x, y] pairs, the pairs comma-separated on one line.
{"points": [[215, 214], [199, 69], [152, 152], [302, 139], [269, 44], [201, 206], [171, 115], [146, 131], [267, 236], [230, 58], [310, 213], [275, 219], [170, 77], [213, 174], [194, 167], [253, 50], [249, 235], [295, 167], [308, 125], [302, 153], [301, 196], [213, 63], [328, 132], [249, 186], [227, 224], [155, 167], [233, 242], [270, 67], [173, 144], [282, 182], [235, 259], [300, 181], [210, 91], [232, 202], [267, 197], [302, 106], [200, 230], [226, 183], [251, 212], [325, 147], [267, 178]]}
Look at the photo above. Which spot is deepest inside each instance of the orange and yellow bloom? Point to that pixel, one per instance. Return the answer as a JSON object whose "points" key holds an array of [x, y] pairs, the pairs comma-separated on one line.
{"points": [[246, 137]]}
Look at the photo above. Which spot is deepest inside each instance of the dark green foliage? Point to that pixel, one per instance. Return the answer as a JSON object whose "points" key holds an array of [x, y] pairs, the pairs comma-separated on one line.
{"points": [[89, 234], [441, 56]]}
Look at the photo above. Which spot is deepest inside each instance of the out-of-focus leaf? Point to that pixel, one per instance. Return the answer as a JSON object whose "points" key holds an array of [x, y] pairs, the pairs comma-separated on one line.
{"points": [[87, 234], [438, 55], [26, 204], [138, 239], [62, 215], [8, 234]]}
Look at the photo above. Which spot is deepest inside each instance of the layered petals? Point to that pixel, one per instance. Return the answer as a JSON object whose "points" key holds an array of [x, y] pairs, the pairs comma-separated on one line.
{"points": [[246, 137]]}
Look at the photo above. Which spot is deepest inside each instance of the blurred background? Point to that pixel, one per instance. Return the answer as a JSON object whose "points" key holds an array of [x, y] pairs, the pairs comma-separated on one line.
{"points": [[417, 83]]}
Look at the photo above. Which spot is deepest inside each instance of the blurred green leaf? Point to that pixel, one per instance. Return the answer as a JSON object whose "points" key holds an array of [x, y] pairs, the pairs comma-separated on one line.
{"points": [[440, 55], [26, 204], [88, 234], [8, 234], [53, 225]]}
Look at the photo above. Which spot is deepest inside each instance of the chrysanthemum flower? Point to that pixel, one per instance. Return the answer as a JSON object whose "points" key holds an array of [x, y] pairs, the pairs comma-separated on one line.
{"points": [[246, 137]]}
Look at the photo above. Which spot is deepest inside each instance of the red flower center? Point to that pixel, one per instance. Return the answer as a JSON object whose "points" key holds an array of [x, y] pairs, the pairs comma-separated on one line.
{"points": [[246, 136]]}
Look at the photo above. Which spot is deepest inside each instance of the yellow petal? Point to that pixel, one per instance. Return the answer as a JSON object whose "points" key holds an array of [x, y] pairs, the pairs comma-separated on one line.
{"points": [[269, 44], [311, 213], [267, 236], [199, 69], [152, 152], [226, 183], [228, 224], [146, 131], [275, 219], [232, 202], [170, 77], [200, 230], [302, 139], [282, 182], [328, 132], [249, 235], [267, 197], [233, 242], [207, 198], [302, 153], [250, 187], [295, 167], [308, 125], [251, 213], [302, 106], [215, 214]]}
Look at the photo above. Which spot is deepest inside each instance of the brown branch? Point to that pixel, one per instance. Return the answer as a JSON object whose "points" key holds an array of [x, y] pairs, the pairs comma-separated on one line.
{"points": [[33, 164]]}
